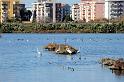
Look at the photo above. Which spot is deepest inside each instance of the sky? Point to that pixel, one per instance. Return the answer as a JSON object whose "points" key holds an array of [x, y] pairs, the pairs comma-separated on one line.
{"points": [[29, 2]]}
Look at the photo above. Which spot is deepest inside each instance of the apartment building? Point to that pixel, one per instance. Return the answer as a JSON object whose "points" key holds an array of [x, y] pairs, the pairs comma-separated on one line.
{"points": [[76, 12], [7, 9], [114, 8], [91, 10], [16, 10], [38, 12], [47, 11]]}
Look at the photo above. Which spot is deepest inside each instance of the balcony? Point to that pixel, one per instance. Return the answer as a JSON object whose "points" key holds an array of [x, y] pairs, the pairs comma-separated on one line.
{"points": [[4, 7], [117, 6], [116, 10], [116, 14]]}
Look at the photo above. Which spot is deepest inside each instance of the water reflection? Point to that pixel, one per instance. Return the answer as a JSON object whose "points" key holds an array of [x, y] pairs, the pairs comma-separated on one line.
{"points": [[69, 57], [118, 72]]}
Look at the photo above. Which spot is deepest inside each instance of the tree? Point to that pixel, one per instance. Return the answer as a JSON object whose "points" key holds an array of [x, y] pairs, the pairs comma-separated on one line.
{"points": [[25, 15], [67, 18], [22, 13]]}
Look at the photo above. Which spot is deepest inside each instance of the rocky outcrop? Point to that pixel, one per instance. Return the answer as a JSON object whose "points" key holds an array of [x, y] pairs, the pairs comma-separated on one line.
{"points": [[113, 64], [118, 65], [61, 48], [51, 47], [107, 61], [65, 49]]}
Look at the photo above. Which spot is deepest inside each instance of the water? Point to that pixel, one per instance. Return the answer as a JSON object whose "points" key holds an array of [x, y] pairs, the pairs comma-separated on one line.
{"points": [[20, 62]]}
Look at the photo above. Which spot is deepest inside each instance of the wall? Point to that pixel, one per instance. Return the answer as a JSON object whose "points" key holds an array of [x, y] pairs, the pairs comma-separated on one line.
{"points": [[99, 11]]}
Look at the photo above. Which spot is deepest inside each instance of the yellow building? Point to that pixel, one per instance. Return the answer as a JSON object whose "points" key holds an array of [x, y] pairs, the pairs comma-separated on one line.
{"points": [[7, 9]]}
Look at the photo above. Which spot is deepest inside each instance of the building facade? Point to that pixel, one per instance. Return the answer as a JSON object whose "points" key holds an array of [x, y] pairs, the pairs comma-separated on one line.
{"points": [[114, 8], [91, 10], [16, 10], [46, 11], [100, 9], [75, 12], [7, 9], [37, 12]]}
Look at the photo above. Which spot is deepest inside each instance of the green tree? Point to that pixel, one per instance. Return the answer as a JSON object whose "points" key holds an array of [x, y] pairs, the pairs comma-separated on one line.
{"points": [[25, 15], [67, 18]]}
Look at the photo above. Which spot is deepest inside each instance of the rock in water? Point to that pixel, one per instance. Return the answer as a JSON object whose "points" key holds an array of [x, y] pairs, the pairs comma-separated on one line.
{"points": [[113, 64], [107, 61], [61, 48], [65, 49], [118, 65], [51, 47]]}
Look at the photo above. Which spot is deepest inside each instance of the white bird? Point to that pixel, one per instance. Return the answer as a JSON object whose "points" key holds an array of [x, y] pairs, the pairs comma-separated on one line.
{"points": [[39, 53], [79, 50], [58, 49], [27, 40], [69, 51]]}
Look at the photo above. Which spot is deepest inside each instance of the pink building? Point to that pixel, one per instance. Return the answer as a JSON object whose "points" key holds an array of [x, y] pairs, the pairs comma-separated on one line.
{"points": [[91, 9], [100, 9]]}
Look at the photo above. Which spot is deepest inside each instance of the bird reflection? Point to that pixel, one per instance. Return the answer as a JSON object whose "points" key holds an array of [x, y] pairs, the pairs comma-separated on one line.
{"points": [[69, 57]]}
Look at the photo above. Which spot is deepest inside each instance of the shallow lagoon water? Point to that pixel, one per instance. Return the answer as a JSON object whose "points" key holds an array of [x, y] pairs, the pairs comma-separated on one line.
{"points": [[20, 62]]}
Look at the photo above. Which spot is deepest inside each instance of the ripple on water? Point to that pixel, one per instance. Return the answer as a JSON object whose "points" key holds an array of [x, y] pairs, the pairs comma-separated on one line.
{"points": [[18, 58]]}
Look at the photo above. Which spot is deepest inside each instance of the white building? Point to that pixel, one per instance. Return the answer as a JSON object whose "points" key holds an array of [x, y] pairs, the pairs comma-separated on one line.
{"points": [[76, 12], [114, 8], [37, 11], [46, 11]]}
